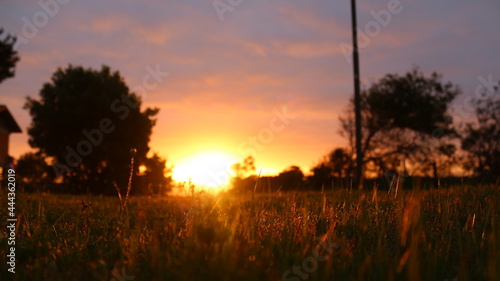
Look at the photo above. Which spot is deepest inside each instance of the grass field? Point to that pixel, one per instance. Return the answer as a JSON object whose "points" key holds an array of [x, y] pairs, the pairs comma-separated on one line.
{"points": [[448, 234]]}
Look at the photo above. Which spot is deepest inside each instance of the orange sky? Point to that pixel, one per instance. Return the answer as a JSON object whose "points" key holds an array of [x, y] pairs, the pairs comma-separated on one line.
{"points": [[230, 74]]}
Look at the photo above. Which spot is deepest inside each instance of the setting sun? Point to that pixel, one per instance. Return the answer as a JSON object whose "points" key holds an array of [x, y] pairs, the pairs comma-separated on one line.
{"points": [[209, 169]]}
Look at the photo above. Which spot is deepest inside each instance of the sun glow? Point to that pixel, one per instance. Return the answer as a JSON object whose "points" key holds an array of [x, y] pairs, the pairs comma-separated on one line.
{"points": [[207, 169]]}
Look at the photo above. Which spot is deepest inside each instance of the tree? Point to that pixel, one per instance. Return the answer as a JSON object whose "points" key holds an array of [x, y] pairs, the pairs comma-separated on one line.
{"points": [[88, 121], [405, 122], [244, 168], [34, 172], [156, 176], [8, 56], [322, 175], [243, 179], [482, 138], [339, 163], [291, 178]]}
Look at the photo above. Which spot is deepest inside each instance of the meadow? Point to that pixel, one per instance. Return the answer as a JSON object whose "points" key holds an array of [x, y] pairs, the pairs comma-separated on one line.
{"points": [[441, 234]]}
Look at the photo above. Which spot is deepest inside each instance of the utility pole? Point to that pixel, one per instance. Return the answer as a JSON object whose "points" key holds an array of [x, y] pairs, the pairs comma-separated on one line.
{"points": [[358, 174]]}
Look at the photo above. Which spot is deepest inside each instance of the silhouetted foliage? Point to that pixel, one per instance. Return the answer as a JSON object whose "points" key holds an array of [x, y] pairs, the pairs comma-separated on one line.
{"points": [[405, 120], [34, 172], [87, 121], [322, 176], [8, 56], [337, 165], [246, 184], [481, 139], [156, 178], [291, 178], [243, 179], [342, 163], [244, 168]]}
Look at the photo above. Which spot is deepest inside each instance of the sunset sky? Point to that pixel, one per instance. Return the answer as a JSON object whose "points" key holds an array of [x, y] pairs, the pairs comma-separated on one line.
{"points": [[238, 70]]}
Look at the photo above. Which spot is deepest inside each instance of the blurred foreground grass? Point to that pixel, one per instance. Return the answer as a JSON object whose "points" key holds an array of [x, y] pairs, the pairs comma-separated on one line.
{"points": [[449, 234]]}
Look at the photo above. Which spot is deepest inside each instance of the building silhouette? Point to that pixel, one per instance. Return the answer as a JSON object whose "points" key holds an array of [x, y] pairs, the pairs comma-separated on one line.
{"points": [[8, 125]]}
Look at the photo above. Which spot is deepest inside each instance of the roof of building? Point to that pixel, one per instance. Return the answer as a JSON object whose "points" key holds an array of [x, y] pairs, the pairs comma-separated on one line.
{"points": [[9, 120]]}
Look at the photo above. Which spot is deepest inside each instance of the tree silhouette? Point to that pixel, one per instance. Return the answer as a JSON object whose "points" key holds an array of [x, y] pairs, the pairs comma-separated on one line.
{"points": [[339, 164], [8, 56], [156, 178], [482, 138], [291, 178], [243, 179], [244, 168], [34, 172], [88, 121], [405, 121], [322, 175]]}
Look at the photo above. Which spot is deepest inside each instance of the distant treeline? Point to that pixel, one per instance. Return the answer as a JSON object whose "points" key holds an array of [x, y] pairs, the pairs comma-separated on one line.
{"points": [[393, 182]]}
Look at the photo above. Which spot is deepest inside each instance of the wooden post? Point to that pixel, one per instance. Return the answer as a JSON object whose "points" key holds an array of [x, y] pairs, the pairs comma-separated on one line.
{"points": [[358, 176]]}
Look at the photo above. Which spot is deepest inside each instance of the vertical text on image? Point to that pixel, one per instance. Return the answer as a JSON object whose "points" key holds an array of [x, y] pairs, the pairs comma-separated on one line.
{"points": [[11, 220]]}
